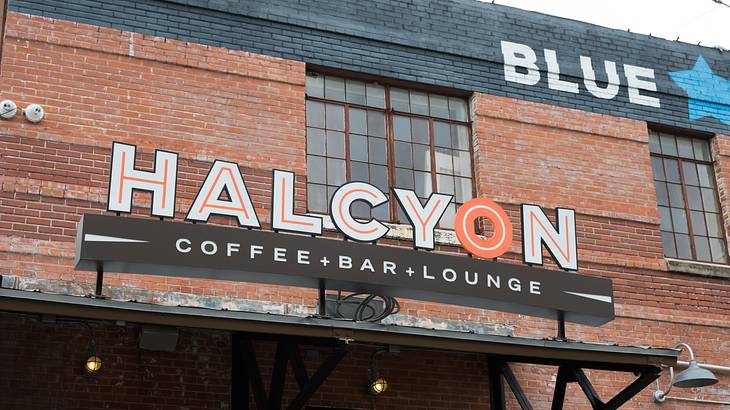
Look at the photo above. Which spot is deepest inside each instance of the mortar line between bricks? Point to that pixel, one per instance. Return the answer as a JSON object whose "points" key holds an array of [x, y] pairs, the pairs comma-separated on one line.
{"points": [[140, 51]]}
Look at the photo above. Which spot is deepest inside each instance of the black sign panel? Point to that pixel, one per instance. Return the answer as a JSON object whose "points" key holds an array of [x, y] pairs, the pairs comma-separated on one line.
{"points": [[154, 247]]}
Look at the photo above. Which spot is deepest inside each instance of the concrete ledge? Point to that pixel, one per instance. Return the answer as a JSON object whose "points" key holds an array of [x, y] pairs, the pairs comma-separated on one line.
{"points": [[712, 270]]}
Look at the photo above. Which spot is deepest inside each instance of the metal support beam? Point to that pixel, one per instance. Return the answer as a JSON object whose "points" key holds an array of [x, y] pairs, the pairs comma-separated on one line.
{"points": [[318, 378], [297, 364], [322, 299], [588, 389], [278, 376], [514, 385], [561, 382], [496, 386], [239, 376], [632, 390], [254, 375], [99, 280]]}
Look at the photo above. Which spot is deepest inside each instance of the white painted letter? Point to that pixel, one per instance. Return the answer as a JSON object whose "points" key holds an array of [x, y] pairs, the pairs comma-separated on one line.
{"points": [[635, 84], [589, 78], [520, 55], [554, 81]]}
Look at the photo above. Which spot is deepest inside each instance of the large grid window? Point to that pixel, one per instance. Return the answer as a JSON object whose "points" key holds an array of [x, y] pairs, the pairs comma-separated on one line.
{"points": [[691, 221], [389, 137]]}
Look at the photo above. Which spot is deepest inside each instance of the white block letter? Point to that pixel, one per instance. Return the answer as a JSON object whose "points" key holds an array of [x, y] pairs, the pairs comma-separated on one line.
{"points": [[554, 81], [635, 83], [589, 78], [520, 55]]}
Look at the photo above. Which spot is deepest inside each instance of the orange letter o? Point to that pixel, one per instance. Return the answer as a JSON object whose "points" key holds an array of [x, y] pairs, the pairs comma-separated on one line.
{"points": [[487, 248]]}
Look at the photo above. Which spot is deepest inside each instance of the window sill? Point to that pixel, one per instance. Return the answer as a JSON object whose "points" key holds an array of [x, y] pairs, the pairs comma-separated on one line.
{"points": [[712, 270]]}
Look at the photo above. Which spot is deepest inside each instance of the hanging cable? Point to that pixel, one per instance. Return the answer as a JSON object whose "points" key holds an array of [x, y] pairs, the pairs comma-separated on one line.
{"points": [[365, 309]]}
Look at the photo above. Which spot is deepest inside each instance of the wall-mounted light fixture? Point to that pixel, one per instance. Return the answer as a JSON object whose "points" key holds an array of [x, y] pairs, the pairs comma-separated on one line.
{"points": [[693, 376], [377, 384], [92, 364]]}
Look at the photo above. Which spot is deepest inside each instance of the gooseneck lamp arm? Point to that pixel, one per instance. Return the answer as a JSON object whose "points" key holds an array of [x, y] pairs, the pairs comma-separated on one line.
{"points": [[693, 376], [659, 395]]}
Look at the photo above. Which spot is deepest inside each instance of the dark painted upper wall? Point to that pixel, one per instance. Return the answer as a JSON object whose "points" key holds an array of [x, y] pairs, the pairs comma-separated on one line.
{"points": [[449, 43]]}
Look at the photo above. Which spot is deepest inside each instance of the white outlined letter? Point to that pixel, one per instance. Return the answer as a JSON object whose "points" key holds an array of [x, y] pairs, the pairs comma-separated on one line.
{"points": [[561, 243], [423, 218], [342, 200], [224, 176], [282, 207], [124, 178]]}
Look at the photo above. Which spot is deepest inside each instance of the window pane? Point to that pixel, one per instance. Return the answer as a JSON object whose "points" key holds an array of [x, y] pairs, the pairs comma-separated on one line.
{"points": [[334, 88], [315, 114], [666, 218], [336, 173], [662, 196], [381, 212], [422, 157], [399, 100], [693, 198], [698, 223], [356, 92], [441, 134], [689, 172], [457, 109], [654, 146], [316, 198], [684, 147], [463, 190], [439, 106], [358, 123], [444, 162], [335, 117], [684, 250], [679, 220], [714, 226], [702, 149], [658, 168], [668, 143], [675, 195], [358, 148], [315, 85], [462, 163], [719, 254], [419, 130], [379, 177], [671, 169], [402, 128], [404, 178], [360, 209], [378, 151], [702, 248], [402, 218], [376, 124], [668, 242], [315, 141], [419, 102], [423, 184], [447, 221], [403, 155], [445, 184], [376, 95], [359, 172], [709, 200], [336, 144], [460, 137], [330, 193], [316, 169], [705, 175]]}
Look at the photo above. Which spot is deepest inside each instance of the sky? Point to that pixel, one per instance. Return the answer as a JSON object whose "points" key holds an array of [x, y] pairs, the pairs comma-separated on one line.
{"points": [[693, 21]]}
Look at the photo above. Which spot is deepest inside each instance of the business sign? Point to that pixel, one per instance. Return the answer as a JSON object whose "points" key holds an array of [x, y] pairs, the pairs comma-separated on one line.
{"points": [[299, 258]]}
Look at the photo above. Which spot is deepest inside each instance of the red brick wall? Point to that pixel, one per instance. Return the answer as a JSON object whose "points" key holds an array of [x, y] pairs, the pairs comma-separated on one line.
{"points": [[101, 85]]}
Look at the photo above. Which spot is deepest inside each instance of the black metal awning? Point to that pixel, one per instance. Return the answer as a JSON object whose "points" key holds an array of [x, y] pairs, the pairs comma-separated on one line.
{"points": [[570, 356]]}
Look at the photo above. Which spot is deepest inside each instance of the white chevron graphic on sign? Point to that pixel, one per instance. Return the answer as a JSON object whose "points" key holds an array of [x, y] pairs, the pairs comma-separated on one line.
{"points": [[599, 298], [90, 237]]}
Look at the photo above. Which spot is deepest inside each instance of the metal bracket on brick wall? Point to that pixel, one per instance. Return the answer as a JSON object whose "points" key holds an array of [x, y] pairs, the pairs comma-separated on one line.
{"points": [[499, 371], [246, 375]]}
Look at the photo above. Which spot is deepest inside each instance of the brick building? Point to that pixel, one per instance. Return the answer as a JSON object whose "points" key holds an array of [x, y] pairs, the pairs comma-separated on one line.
{"points": [[464, 98]]}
